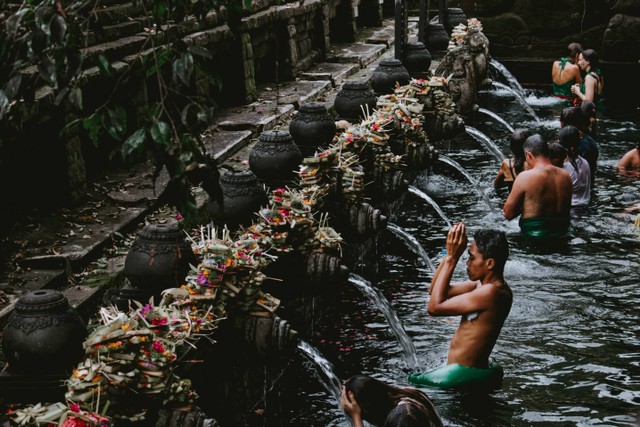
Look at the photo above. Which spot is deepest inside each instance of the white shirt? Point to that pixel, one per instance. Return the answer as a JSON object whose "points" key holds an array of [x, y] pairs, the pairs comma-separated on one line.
{"points": [[581, 180]]}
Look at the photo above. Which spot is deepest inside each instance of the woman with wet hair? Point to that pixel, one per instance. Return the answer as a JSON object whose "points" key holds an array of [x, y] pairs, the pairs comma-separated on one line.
{"points": [[591, 87], [578, 168], [512, 166], [384, 405]]}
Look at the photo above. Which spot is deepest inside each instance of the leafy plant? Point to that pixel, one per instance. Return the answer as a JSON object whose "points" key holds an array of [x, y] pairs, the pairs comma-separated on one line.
{"points": [[42, 44]]}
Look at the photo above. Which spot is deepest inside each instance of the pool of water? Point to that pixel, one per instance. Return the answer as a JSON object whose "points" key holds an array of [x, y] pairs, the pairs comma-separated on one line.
{"points": [[570, 347]]}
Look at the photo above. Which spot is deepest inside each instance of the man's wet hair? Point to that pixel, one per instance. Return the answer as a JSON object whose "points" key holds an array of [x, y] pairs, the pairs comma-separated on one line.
{"points": [[557, 151], [536, 146], [493, 244]]}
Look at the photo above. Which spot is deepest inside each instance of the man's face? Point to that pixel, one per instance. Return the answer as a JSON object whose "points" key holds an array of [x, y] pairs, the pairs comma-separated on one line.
{"points": [[476, 264]]}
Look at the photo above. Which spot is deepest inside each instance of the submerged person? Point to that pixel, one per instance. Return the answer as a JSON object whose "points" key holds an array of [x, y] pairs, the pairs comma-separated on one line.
{"points": [[588, 148], [381, 404], [565, 73], [512, 166], [629, 164], [578, 169], [541, 195], [483, 301], [588, 109], [593, 83]]}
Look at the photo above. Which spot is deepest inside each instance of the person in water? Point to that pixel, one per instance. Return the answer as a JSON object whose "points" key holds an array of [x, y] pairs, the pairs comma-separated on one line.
{"points": [[588, 109], [593, 83], [565, 73], [483, 301], [511, 167], [588, 148], [381, 404], [557, 154], [578, 168], [629, 164], [541, 195]]}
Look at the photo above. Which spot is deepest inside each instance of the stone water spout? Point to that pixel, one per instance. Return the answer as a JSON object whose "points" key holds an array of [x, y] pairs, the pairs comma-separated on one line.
{"points": [[467, 65]]}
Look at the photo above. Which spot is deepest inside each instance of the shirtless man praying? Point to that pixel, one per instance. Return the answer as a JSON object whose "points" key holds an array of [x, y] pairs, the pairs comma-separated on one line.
{"points": [[483, 301]]}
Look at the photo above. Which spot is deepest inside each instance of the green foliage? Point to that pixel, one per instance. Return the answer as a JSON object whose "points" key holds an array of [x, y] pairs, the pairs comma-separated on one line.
{"points": [[41, 44]]}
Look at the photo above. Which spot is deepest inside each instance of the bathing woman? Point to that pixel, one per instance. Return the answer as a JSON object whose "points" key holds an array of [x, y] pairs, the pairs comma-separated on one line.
{"points": [[483, 301]]}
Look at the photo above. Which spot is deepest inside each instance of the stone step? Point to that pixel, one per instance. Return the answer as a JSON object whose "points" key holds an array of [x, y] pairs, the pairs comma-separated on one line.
{"points": [[255, 117], [334, 72], [221, 145], [362, 54], [294, 92]]}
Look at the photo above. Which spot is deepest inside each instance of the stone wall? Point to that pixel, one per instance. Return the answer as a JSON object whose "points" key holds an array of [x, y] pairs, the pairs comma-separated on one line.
{"points": [[40, 168]]}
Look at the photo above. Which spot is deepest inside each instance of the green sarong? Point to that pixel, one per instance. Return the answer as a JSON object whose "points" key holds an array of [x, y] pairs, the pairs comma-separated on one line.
{"points": [[544, 227], [458, 376]]}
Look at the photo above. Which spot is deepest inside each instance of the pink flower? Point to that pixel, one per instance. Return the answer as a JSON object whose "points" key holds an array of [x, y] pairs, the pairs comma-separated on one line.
{"points": [[157, 346], [178, 216], [74, 407]]}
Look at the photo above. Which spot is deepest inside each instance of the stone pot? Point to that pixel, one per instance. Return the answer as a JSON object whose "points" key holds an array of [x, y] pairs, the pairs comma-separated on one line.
{"points": [[387, 74], [44, 334], [158, 259], [242, 197], [437, 37], [454, 16], [312, 128], [417, 59], [275, 158], [354, 95]]}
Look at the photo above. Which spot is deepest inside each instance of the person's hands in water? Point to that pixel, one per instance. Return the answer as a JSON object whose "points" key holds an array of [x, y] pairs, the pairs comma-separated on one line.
{"points": [[457, 240], [351, 407]]}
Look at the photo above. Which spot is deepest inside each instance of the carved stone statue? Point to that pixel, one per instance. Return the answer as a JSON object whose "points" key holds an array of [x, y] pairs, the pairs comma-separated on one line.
{"points": [[466, 67]]}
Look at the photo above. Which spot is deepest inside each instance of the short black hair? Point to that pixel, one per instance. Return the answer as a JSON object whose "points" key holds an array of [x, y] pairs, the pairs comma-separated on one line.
{"points": [[591, 56], [536, 145], [574, 49], [573, 116], [493, 244]]}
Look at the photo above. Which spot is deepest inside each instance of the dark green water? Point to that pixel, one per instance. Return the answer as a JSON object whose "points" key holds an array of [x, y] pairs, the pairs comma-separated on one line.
{"points": [[571, 345]]}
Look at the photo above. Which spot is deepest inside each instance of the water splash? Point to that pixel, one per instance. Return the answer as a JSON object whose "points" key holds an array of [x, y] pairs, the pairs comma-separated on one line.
{"points": [[449, 161], [496, 118], [410, 353], [424, 196], [520, 98], [412, 243], [486, 141], [324, 369], [512, 82]]}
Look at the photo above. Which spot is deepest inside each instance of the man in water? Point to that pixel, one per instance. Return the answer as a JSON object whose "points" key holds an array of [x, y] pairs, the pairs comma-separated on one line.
{"points": [[541, 195], [629, 164], [484, 303]]}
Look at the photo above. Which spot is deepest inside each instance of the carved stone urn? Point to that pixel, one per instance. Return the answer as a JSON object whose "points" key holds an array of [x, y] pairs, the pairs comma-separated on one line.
{"points": [[275, 158], [158, 259], [44, 334], [387, 74], [417, 59], [354, 97], [454, 17], [312, 128], [242, 197], [437, 37]]}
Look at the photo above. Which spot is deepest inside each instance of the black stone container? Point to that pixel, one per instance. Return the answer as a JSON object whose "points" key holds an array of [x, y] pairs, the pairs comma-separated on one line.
{"points": [[312, 128], [354, 97], [242, 197], [275, 158], [417, 59], [454, 17], [437, 38], [43, 335], [387, 74]]}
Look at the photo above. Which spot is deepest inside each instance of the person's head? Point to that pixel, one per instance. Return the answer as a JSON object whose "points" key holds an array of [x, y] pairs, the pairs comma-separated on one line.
{"points": [[534, 147], [588, 109], [409, 413], [377, 399], [588, 59], [488, 252], [574, 50], [573, 116], [557, 154], [569, 138]]}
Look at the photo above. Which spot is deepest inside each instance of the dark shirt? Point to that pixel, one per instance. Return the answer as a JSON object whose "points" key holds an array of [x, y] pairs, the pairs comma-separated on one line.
{"points": [[589, 150]]}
